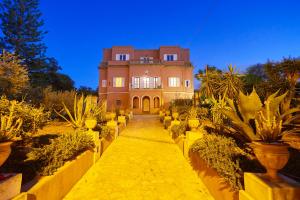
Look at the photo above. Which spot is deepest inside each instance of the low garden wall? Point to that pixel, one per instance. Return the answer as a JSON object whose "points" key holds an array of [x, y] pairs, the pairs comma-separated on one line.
{"points": [[56, 186], [216, 185]]}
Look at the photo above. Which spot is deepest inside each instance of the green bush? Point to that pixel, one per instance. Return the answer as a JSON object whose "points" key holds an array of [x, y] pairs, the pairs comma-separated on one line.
{"points": [[223, 154], [49, 158], [178, 130], [104, 132], [33, 118]]}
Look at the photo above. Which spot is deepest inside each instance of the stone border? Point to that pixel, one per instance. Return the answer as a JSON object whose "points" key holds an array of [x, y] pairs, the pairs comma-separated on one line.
{"points": [[216, 184], [56, 186]]}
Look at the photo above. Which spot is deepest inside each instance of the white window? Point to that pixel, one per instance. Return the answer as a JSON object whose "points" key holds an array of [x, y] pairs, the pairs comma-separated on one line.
{"points": [[156, 82], [122, 57], [170, 57], [146, 81], [174, 82], [104, 83], [118, 82], [136, 82], [187, 83]]}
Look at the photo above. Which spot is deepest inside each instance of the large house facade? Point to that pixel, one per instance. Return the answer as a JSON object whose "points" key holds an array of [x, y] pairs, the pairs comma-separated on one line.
{"points": [[145, 80]]}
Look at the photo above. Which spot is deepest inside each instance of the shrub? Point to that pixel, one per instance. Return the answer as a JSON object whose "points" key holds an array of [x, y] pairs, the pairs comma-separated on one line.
{"points": [[66, 147], [104, 132], [33, 118], [52, 100], [222, 154], [178, 130]]}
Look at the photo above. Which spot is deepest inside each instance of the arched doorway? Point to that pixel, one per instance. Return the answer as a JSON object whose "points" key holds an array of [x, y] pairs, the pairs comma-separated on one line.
{"points": [[135, 103], [156, 102], [146, 104]]}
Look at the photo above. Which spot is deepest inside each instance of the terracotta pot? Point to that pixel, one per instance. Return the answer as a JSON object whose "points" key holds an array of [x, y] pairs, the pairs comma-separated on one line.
{"points": [[90, 123], [122, 112], [4, 151], [168, 112], [272, 156], [193, 124]]}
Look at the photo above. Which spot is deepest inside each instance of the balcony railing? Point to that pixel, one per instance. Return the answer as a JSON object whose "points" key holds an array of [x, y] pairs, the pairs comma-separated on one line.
{"points": [[145, 62]]}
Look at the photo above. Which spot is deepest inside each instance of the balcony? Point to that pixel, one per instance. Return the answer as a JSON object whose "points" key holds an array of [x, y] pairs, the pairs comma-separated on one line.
{"points": [[145, 62]]}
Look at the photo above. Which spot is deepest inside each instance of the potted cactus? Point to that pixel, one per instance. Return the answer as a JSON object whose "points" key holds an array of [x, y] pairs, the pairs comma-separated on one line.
{"points": [[266, 135], [193, 121], [9, 128]]}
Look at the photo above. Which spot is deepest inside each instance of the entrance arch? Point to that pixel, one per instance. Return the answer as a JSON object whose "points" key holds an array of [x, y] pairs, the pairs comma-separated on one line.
{"points": [[146, 104], [135, 102]]}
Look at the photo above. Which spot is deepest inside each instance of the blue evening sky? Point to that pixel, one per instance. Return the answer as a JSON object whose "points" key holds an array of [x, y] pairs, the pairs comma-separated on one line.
{"points": [[218, 32]]}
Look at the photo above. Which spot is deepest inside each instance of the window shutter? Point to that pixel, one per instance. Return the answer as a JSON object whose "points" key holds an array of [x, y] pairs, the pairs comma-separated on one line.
{"points": [[151, 82], [117, 56], [114, 82], [159, 82], [123, 82], [178, 82], [142, 82], [132, 82], [175, 56], [165, 56], [127, 56]]}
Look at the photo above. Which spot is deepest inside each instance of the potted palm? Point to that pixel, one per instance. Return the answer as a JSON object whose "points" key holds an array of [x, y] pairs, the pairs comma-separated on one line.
{"points": [[267, 132], [193, 121], [9, 128]]}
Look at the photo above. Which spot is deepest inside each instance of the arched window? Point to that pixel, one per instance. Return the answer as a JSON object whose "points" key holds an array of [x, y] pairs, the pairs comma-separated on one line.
{"points": [[156, 102], [135, 103]]}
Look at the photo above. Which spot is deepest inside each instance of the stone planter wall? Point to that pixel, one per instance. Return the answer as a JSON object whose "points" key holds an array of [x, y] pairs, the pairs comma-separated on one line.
{"points": [[56, 186], [216, 185]]}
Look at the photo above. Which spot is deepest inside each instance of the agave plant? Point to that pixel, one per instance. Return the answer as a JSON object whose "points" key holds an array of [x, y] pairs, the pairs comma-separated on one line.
{"points": [[83, 109], [267, 118], [10, 126]]}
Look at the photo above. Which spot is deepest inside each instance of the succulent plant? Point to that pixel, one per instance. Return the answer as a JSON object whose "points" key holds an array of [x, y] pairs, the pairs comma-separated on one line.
{"points": [[267, 117]]}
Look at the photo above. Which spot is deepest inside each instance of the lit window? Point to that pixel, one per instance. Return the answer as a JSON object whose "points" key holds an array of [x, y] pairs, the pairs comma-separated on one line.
{"points": [[136, 82], [156, 82], [187, 83], [146, 82], [118, 82], [174, 82], [104, 83]]}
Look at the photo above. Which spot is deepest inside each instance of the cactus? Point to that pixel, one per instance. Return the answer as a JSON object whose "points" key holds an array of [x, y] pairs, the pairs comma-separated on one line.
{"points": [[10, 126], [267, 117]]}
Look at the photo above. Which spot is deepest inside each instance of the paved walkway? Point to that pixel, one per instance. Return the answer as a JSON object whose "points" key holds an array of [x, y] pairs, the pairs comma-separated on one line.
{"points": [[143, 163]]}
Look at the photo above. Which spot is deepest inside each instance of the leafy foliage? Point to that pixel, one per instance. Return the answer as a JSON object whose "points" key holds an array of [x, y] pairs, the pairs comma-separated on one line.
{"points": [[33, 118], [61, 149], [224, 156], [52, 100], [9, 125], [178, 130], [13, 75]]}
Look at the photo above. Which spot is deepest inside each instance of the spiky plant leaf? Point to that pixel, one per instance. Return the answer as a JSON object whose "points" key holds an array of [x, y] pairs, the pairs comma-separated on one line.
{"points": [[249, 105]]}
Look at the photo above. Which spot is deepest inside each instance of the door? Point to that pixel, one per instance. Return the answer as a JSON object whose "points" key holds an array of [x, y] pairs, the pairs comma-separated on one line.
{"points": [[146, 104]]}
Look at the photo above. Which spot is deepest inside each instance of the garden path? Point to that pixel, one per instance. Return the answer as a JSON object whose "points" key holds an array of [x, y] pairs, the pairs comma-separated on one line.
{"points": [[142, 163]]}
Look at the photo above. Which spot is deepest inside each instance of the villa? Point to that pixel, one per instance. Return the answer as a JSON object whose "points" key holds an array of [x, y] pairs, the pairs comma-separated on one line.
{"points": [[145, 80]]}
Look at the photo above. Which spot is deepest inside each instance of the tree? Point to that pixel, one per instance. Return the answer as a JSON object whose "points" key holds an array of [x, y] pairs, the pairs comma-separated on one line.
{"points": [[13, 75], [21, 26], [87, 91]]}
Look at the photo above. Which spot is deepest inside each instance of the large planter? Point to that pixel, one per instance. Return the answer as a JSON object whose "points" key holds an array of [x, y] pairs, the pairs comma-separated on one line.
{"points": [[217, 185], [272, 156], [90, 123], [193, 124], [5, 151]]}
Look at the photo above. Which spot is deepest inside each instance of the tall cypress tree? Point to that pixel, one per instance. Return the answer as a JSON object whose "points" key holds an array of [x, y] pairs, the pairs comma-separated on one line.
{"points": [[21, 26]]}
